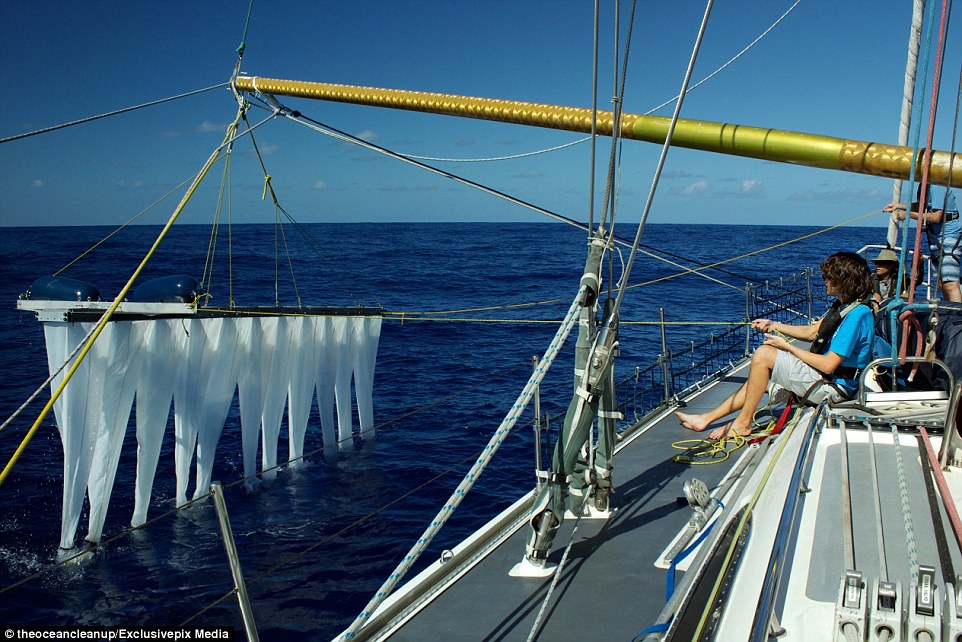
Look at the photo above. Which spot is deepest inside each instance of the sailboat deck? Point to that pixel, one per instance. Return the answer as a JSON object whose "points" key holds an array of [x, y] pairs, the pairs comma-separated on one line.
{"points": [[613, 584], [607, 589]]}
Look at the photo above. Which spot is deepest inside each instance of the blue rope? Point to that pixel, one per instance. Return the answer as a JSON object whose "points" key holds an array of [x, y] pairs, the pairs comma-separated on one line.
{"points": [[670, 577]]}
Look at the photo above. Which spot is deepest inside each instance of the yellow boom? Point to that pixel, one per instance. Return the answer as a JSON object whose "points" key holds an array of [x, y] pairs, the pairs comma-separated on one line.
{"points": [[781, 146]]}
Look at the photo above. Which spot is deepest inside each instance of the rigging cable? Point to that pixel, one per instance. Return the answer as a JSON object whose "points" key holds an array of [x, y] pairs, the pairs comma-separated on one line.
{"points": [[123, 225], [208, 272], [616, 140], [328, 130], [594, 119], [111, 113], [661, 160]]}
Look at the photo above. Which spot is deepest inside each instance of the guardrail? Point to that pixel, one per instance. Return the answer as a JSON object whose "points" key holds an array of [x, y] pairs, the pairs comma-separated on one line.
{"points": [[676, 372]]}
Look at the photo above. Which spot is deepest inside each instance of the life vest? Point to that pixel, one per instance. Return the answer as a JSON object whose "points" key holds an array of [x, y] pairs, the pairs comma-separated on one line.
{"points": [[826, 330], [829, 325]]}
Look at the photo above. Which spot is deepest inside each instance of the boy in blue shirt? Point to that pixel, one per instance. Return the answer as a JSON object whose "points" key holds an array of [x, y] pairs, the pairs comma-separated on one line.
{"points": [[828, 370]]}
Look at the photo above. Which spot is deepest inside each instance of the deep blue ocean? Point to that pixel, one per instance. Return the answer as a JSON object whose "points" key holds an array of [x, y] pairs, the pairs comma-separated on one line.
{"points": [[319, 538]]}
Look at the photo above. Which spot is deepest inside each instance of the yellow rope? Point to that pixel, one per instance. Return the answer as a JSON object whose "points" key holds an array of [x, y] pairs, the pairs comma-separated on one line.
{"points": [[744, 520], [699, 452], [124, 225], [270, 312], [113, 306], [715, 451]]}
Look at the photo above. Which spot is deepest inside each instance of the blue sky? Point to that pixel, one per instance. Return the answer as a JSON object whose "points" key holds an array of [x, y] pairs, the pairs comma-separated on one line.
{"points": [[831, 67]]}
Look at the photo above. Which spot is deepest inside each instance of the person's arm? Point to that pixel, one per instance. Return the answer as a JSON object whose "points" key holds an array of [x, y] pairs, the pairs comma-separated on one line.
{"points": [[822, 362], [803, 332], [899, 209]]}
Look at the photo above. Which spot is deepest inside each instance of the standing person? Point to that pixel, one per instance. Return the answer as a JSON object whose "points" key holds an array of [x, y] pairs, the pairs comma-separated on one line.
{"points": [[841, 347], [944, 230]]}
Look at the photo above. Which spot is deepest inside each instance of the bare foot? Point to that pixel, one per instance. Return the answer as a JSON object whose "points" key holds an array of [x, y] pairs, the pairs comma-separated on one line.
{"points": [[692, 422], [729, 430]]}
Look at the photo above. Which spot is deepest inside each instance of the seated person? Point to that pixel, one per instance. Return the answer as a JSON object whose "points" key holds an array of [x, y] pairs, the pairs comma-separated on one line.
{"points": [[830, 368], [885, 275]]}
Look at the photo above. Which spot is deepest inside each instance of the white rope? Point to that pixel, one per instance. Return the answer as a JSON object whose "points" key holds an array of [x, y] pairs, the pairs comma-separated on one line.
{"points": [[911, 546], [647, 113], [472, 476], [496, 158]]}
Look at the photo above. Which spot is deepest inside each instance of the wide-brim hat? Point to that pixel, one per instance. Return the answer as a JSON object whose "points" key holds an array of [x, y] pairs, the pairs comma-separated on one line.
{"points": [[886, 255]]}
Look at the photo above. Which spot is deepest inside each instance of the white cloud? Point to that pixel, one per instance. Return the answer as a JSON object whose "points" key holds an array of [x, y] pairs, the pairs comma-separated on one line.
{"points": [[750, 186], [698, 187], [320, 185], [368, 135], [206, 127], [37, 183]]}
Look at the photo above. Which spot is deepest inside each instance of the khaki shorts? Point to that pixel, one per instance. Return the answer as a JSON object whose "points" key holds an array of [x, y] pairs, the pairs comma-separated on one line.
{"points": [[792, 374]]}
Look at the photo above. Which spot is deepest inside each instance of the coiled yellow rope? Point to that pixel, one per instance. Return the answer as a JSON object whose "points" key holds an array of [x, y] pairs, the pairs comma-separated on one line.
{"points": [[699, 452]]}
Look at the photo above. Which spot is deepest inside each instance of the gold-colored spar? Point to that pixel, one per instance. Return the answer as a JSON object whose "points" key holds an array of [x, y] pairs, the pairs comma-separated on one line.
{"points": [[811, 150]]}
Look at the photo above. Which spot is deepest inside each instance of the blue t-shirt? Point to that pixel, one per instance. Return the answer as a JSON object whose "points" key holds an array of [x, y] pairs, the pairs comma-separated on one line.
{"points": [[853, 342], [935, 200]]}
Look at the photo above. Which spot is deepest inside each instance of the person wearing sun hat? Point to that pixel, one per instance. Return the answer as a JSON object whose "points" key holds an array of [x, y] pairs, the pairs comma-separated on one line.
{"points": [[885, 275]]}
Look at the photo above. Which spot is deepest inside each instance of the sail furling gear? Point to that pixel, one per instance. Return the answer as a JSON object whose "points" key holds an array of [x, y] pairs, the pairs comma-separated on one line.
{"points": [[574, 473]]}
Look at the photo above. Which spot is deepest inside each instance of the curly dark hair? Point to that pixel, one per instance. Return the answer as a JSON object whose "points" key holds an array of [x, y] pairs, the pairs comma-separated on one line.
{"points": [[849, 274]]}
